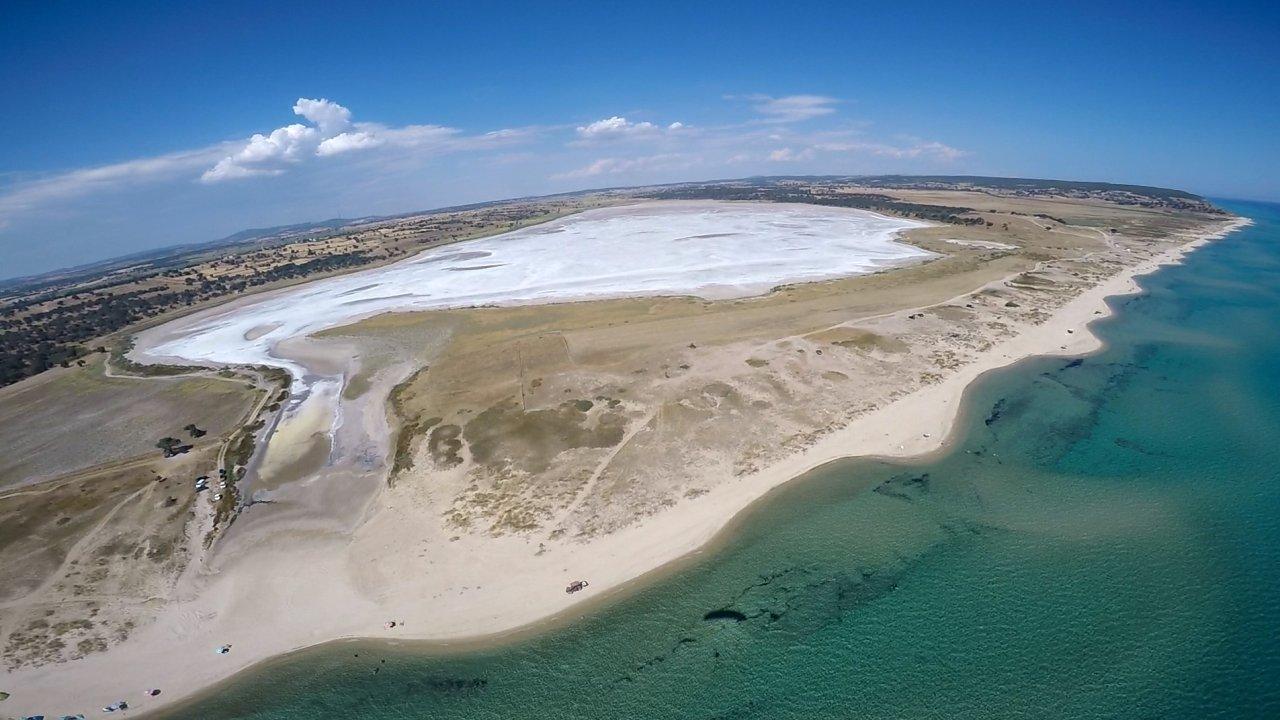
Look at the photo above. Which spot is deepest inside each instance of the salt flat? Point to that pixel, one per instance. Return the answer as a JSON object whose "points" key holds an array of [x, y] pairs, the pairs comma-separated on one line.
{"points": [[709, 249]]}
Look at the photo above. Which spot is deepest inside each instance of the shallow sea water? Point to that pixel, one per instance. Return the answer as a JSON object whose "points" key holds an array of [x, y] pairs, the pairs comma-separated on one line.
{"points": [[1104, 542]]}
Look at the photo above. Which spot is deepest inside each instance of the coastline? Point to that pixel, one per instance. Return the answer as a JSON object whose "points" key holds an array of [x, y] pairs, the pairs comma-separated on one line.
{"points": [[914, 425]]}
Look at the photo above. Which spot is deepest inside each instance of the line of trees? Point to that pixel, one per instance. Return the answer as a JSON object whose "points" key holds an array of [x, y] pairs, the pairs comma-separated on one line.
{"points": [[789, 193], [32, 341]]}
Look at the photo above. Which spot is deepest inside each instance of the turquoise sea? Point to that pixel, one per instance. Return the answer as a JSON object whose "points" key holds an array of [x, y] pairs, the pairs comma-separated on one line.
{"points": [[1104, 542]]}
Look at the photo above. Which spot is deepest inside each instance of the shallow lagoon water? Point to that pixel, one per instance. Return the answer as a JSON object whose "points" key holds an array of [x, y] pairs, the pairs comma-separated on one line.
{"points": [[1103, 542]]}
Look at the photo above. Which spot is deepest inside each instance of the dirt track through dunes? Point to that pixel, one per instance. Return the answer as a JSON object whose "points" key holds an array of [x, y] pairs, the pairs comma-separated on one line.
{"points": [[68, 420], [91, 554]]}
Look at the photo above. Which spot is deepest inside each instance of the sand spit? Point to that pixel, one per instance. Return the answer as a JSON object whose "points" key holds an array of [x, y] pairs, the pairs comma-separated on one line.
{"points": [[299, 587]]}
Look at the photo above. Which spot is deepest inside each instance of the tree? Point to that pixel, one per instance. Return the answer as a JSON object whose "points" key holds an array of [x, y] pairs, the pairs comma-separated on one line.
{"points": [[172, 446]]}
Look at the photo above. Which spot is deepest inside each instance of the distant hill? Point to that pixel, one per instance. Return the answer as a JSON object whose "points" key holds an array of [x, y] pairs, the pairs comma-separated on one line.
{"points": [[166, 255], [291, 230], [1029, 184]]}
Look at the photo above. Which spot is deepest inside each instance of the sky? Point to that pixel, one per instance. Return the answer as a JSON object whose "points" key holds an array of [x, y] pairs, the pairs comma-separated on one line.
{"points": [[129, 126]]}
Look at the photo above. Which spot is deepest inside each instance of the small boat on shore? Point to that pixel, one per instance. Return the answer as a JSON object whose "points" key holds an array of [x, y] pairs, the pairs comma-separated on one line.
{"points": [[576, 586]]}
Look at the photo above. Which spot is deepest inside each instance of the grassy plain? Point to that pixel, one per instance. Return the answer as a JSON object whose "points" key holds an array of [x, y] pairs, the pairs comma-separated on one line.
{"points": [[82, 417]]}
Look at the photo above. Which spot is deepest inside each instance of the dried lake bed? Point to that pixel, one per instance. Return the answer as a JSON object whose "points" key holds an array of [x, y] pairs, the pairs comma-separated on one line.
{"points": [[709, 249]]}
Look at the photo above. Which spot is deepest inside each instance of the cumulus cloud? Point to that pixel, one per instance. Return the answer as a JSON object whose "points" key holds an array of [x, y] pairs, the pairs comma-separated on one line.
{"points": [[331, 131], [325, 131], [348, 141], [330, 117], [328, 131], [620, 128], [270, 154], [615, 127]]}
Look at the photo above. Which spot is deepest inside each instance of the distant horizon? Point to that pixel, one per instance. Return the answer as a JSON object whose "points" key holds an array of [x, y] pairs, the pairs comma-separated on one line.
{"points": [[136, 127], [214, 242]]}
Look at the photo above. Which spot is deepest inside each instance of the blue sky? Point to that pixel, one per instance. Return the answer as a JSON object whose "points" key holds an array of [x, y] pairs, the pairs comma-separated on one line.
{"points": [[129, 126]]}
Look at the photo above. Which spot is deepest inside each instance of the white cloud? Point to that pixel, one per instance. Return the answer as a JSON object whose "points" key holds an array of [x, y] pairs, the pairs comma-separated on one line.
{"points": [[932, 150], [599, 167], [271, 154], [620, 128], [326, 132], [614, 166], [792, 108], [937, 150], [786, 154], [25, 196], [330, 117], [332, 132], [348, 141], [615, 127], [507, 134], [265, 154]]}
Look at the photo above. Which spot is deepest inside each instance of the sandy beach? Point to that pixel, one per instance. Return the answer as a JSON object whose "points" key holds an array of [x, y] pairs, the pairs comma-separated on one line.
{"points": [[316, 576]]}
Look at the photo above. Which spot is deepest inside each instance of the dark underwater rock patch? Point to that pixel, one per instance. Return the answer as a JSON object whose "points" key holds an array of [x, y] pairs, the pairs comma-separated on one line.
{"points": [[904, 487], [996, 411], [725, 614], [447, 685]]}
